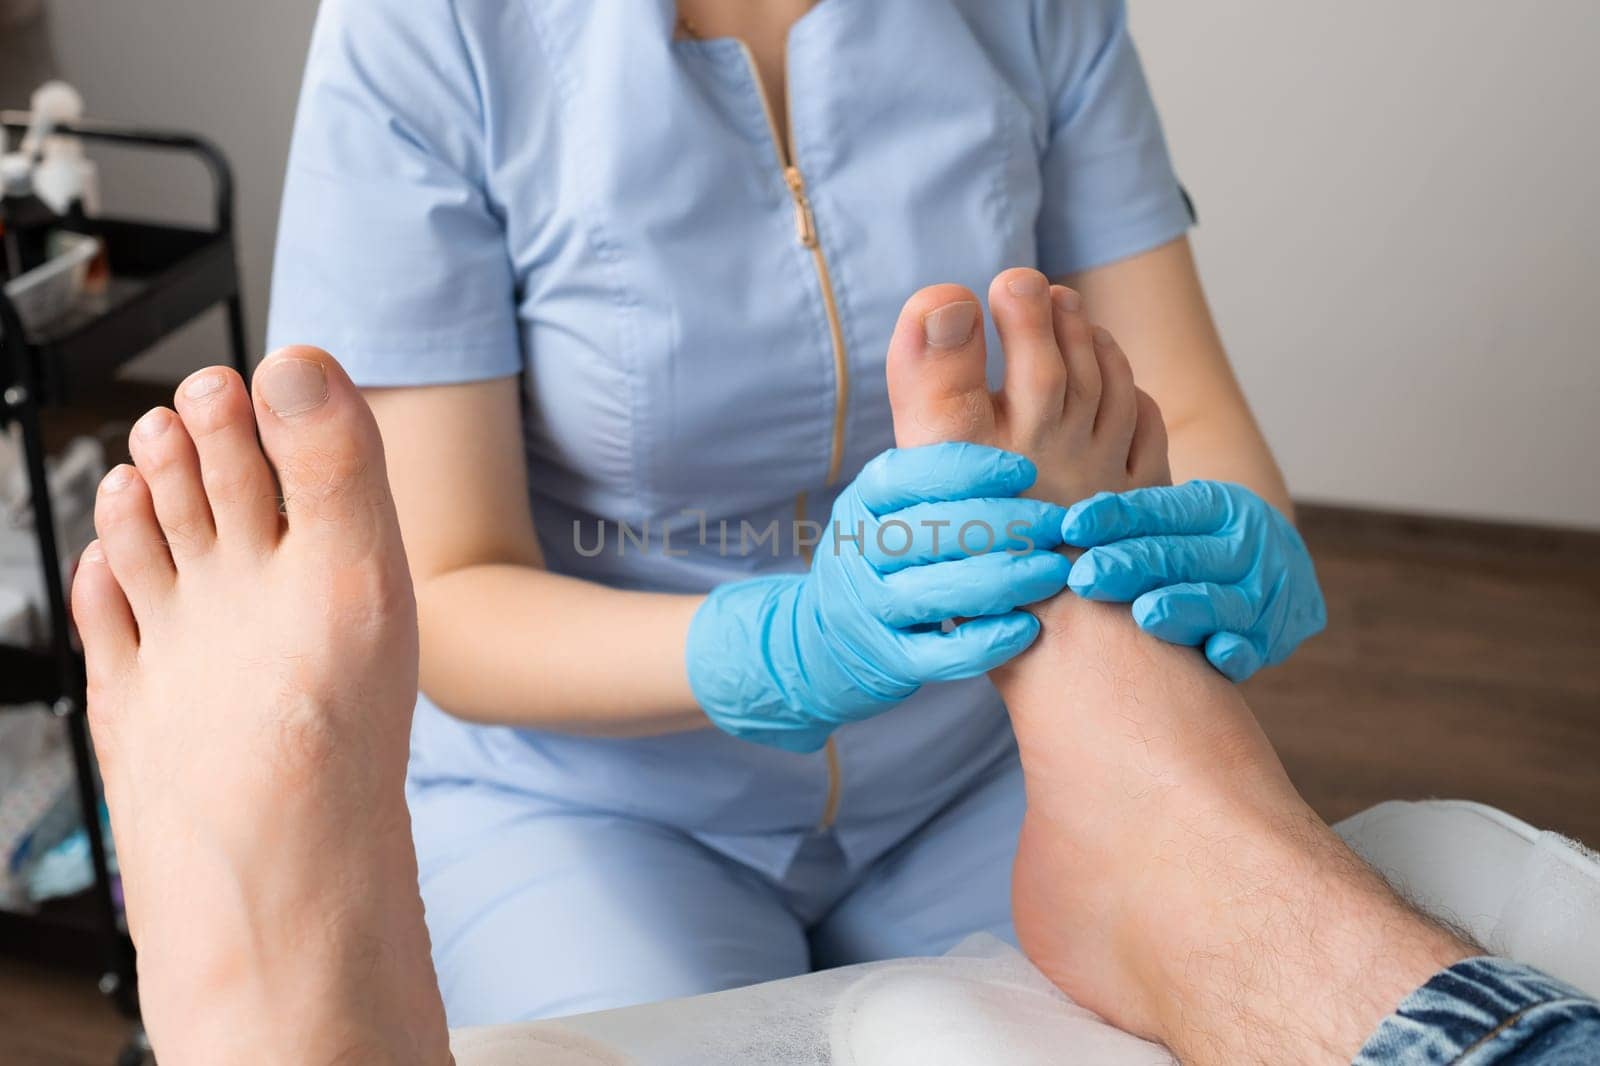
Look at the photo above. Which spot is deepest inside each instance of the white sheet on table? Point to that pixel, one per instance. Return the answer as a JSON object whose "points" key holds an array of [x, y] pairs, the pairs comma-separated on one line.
{"points": [[1528, 895]]}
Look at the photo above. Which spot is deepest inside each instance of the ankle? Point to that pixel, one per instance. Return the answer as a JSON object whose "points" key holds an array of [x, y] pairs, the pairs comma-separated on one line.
{"points": [[1238, 948], [294, 964], [330, 1032], [356, 998]]}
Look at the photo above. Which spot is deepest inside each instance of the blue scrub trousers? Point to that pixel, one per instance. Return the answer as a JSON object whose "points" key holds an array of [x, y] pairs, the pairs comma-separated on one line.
{"points": [[540, 910]]}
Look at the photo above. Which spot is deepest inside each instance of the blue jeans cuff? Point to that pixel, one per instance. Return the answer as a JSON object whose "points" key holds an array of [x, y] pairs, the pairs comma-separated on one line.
{"points": [[1487, 1012]]}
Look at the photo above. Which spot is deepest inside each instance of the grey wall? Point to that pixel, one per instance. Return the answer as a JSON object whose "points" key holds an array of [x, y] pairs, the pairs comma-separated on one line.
{"points": [[1401, 231], [229, 69], [1402, 238]]}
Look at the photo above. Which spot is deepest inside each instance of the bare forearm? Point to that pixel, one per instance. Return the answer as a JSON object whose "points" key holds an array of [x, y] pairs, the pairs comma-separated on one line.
{"points": [[503, 640], [1227, 447], [515, 645]]}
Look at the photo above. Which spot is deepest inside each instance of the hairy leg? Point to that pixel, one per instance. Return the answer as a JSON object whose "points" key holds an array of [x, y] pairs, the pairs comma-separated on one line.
{"points": [[1171, 878]]}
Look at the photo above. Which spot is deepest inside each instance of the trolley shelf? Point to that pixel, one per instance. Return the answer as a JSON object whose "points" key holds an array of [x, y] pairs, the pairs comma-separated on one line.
{"points": [[64, 933], [162, 277], [27, 677]]}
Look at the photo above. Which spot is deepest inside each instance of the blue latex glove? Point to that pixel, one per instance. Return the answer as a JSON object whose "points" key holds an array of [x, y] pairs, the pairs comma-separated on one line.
{"points": [[784, 660], [1206, 564]]}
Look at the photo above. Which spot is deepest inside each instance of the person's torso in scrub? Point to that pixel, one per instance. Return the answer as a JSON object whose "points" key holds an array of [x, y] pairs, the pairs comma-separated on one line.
{"points": [[698, 307]]}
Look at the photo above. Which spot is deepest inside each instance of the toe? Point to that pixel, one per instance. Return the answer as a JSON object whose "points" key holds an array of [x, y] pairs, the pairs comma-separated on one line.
{"points": [[130, 535], [165, 456], [1076, 341], [321, 439], [238, 483], [1147, 454], [105, 625], [1036, 373], [1118, 405], [938, 381]]}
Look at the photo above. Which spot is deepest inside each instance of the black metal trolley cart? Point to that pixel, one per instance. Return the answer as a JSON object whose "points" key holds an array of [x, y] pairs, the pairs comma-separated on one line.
{"points": [[162, 277]]}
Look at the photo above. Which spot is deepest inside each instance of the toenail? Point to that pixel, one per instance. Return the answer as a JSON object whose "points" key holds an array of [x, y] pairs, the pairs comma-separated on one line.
{"points": [[952, 325], [93, 553], [1067, 299], [154, 424], [292, 386], [119, 478], [1027, 283], [1103, 338], [203, 385]]}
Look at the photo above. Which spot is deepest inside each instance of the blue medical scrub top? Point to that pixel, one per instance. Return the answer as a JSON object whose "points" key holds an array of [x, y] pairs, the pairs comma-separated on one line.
{"points": [[699, 310]]}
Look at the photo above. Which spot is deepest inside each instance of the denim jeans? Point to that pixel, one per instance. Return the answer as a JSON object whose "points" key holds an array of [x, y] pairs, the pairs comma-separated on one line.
{"points": [[1488, 1012]]}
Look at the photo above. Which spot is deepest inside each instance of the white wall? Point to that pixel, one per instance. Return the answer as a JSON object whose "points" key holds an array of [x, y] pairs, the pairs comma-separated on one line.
{"points": [[1401, 217], [1401, 236]]}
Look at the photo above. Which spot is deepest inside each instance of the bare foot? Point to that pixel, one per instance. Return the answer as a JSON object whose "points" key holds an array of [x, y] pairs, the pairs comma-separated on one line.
{"points": [[251, 677], [1168, 876], [1069, 401]]}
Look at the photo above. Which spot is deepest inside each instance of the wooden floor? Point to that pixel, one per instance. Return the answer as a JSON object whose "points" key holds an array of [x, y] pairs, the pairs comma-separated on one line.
{"points": [[1461, 660], [49, 1018]]}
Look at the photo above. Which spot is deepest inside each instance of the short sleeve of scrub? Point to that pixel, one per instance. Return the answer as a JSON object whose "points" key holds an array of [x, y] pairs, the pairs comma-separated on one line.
{"points": [[390, 254], [1109, 187]]}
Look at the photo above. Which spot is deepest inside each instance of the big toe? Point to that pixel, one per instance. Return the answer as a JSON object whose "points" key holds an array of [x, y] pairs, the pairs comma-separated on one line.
{"points": [[938, 385], [323, 443]]}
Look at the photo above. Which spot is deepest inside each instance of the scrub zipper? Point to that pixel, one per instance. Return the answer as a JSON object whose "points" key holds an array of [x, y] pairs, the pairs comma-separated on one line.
{"points": [[805, 225]]}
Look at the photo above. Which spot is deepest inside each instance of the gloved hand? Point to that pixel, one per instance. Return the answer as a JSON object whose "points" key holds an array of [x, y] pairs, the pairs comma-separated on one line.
{"points": [[1207, 564], [921, 536]]}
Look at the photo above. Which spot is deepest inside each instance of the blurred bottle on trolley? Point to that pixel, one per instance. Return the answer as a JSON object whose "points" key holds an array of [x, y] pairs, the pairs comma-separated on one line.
{"points": [[50, 187]]}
